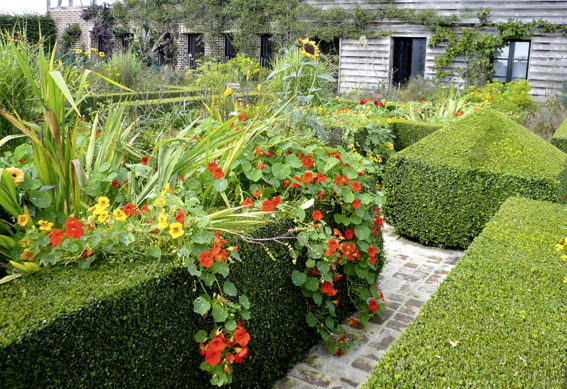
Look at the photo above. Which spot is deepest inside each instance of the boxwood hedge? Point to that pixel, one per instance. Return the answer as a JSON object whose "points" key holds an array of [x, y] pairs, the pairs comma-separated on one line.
{"points": [[443, 189], [131, 324], [559, 139], [499, 319]]}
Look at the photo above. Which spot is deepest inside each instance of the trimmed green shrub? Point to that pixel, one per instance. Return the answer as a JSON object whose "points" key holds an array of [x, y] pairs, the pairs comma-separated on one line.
{"points": [[499, 319], [194, 101], [131, 324], [559, 139], [35, 27], [443, 189], [141, 96]]}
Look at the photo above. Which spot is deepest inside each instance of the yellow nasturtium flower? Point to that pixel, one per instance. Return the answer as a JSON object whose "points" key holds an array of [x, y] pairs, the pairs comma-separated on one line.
{"points": [[390, 146], [167, 189], [104, 217], [176, 230], [227, 92], [17, 175], [27, 256], [162, 221], [23, 220], [119, 215], [44, 225], [160, 202]]}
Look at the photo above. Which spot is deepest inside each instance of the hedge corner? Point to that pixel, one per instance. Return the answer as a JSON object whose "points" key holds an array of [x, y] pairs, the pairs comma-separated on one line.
{"points": [[559, 139]]}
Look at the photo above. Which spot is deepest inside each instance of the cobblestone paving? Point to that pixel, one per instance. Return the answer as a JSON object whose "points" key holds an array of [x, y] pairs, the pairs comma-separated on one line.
{"points": [[411, 274]]}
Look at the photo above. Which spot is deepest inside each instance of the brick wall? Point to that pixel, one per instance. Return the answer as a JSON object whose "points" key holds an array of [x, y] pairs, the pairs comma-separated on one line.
{"points": [[64, 17]]}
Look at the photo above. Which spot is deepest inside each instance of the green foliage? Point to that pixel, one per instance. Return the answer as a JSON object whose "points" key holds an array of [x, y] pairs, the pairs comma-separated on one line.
{"points": [[35, 28], [511, 98], [443, 189], [406, 132], [70, 35], [67, 326], [308, 78], [559, 139], [123, 68], [498, 319]]}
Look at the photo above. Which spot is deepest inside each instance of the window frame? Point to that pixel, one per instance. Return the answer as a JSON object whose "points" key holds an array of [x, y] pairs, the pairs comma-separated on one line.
{"points": [[510, 61], [192, 54]]}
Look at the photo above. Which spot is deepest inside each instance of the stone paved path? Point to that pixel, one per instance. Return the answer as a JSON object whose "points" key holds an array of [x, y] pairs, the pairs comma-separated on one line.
{"points": [[412, 273]]}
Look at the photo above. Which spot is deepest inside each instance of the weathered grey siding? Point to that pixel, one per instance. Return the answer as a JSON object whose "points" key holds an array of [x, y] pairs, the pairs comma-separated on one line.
{"points": [[369, 65]]}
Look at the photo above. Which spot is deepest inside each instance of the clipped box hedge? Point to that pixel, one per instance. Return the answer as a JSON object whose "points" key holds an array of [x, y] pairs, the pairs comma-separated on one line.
{"points": [[131, 325], [559, 139], [499, 319], [443, 189], [178, 92], [194, 101]]}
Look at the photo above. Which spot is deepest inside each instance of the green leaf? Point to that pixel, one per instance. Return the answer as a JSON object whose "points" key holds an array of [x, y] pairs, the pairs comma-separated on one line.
{"points": [[330, 323], [192, 184], [219, 313], [230, 325], [349, 269], [360, 272], [340, 218], [254, 175], [362, 232], [222, 268], [325, 76], [283, 68], [200, 336], [311, 284], [220, 185], [40, 199], [299, 213], [363, 318], [208, 278], [281, 171], [229, 288], [244, 302], [155, 252], [310, 320], [245, 314], [298, 278], [317, 127], [318, 298], [331, 307], [293, 160], [201, 306], [310, 263], [126, 237]]}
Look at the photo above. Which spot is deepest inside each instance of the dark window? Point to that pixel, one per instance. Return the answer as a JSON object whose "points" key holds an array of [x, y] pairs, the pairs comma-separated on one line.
{"points": [[266, 50], [196, 49], [161, 49], [408, 59], [100, 44], [329, 48], [126, 39], [511, 62], [229, 50]]}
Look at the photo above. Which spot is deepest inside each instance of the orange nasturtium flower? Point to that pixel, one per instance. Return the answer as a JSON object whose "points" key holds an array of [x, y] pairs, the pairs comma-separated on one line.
{"points": [[356, 186], [241, 337], [56, 237], [317, 215], [74, 228], [247, 203]]}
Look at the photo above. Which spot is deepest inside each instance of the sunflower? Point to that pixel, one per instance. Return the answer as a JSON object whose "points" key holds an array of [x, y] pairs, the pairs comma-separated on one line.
{"points": [[77, 51], [309, 49], [101, 54]]}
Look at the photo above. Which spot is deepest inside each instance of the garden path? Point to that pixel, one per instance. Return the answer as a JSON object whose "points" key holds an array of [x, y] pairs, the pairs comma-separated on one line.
{"points": [[411, 274]]}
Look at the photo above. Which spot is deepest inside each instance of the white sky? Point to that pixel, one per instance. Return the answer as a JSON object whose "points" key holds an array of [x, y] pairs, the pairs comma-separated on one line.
{"points": [[38, 6]]}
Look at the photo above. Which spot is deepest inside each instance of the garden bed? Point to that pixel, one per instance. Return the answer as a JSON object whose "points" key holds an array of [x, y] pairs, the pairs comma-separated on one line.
{"points": [[499, 318]]}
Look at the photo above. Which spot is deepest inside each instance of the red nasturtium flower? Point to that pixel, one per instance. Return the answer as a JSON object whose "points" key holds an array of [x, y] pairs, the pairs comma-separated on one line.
{"points": [[129, 209], [247, 203], [144, 208], [56, 237], [294, 182], [349, 234], [242, 117], [373, 306], [180, 218], [338, 180], [351, 321], [307, 177], [320, 195], [241, 337], [206, 259], [317, 215], [356, 186], [74, 228], [356, 204], [372, 253], [114, 183], [217, 344], [218, 173], [257, 193], [213, 357], [211, 166], [276, 201], [267, 206], [329, 289], [321, 177], [145, 160]]}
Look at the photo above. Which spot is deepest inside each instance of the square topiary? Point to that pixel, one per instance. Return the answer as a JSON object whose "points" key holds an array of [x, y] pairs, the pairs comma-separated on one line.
{"points": [[559, 139], [443, 189]]}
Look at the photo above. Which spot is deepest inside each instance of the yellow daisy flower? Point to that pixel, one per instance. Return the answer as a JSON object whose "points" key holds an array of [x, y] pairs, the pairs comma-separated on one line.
{"points": [[227, 92], [101, 54]]}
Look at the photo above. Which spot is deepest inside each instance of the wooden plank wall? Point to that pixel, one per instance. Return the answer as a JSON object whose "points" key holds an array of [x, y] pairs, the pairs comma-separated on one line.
{"points": [[367, 64]]}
